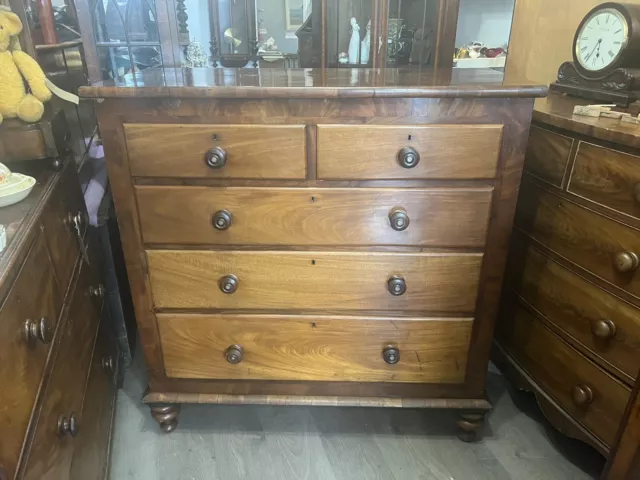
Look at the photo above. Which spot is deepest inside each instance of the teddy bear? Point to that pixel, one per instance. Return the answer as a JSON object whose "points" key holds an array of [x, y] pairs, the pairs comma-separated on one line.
{"points": [[14, 65]]}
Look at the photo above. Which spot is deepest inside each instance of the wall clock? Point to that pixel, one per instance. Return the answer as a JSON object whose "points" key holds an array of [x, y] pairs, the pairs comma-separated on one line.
{"points": [[606, 56]]}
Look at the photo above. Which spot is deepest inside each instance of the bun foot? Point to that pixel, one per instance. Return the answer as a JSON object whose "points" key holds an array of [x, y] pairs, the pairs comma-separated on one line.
{"points": [[469, 424], [166, 416]]}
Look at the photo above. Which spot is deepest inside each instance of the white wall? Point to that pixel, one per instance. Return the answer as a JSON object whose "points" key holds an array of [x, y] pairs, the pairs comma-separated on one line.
{"points": [[487, 21]]}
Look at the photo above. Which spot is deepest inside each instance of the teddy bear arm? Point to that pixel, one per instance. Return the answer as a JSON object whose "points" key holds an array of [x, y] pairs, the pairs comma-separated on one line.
{"points": [[33, 74]]}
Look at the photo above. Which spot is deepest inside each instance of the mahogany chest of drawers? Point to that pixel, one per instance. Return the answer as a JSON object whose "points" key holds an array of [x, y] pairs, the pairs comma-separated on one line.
{"points": [[295, 238]]}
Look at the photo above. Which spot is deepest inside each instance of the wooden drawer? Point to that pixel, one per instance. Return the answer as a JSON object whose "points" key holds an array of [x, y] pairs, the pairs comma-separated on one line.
{"points": [[66, 203], [371, 151], [252, 151], [560, 370], [602, 323], [314, 280], [588, 239], [314, 216], [50, 454], [34, 296], [315, 348], [547, 155], [607, 177]]}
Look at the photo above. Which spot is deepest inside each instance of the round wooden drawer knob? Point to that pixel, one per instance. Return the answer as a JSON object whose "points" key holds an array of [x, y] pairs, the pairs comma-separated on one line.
{"points": [[396, 285], [108, 363], [408, 157], [391, 355], [626, 262], [68, 426], [399, 219], [97, 292], [234, 354], [222, 219], [582, 395], [604, 329], [215, 158], [228, 284], [37, 330]]}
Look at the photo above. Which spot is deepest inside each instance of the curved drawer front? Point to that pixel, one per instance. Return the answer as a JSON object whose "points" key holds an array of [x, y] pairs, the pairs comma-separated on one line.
{"points": [[435, 151], [314, 216], [353, 349], [314, 280], [233, 151], [605, 248], [585, 391]]}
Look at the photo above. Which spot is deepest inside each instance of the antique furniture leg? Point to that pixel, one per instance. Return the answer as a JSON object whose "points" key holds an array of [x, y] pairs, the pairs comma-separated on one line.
{"points": [[166, 415], [469, 423]]}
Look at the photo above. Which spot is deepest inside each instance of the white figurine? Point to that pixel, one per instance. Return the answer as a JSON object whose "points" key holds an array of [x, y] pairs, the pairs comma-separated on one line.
{"points": [[366, 45], [354, 43]]}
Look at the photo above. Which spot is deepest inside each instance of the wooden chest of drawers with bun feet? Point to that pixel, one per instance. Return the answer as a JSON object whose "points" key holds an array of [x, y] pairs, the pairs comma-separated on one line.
{"points": [[295, 238]]}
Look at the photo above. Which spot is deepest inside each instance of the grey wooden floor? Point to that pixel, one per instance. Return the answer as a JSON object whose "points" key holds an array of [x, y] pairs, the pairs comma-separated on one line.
{"points": [[234, 442]]}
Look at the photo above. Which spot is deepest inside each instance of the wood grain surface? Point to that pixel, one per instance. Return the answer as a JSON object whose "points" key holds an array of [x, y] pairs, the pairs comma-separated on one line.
{"points": [[371, 151], [561, 368], [575, 306], [253, 151], [314, 280], [547, 155], [34, 295], [582, 236], [607, 177], [315, 348], [314, 216]]}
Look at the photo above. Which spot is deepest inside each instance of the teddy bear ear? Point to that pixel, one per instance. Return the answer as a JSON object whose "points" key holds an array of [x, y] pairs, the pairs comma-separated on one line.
{"points": [[11, 21]]}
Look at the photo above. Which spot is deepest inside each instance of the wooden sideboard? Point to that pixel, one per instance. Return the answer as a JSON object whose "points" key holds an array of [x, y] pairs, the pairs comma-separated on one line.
{"points": [[569, 325], [323, 237], [57, 358]]}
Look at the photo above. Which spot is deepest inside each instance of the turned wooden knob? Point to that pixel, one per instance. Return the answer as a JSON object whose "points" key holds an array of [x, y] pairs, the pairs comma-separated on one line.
{"points": [[408, 157], [399, 219], [391, 355], [228, 284], [604, 329], [582, 395], [68, 426], [626, 262], [108, 363], [221, 219], [233, 354], [216, 158], [396, 285], [97, 292], [36, 330]]}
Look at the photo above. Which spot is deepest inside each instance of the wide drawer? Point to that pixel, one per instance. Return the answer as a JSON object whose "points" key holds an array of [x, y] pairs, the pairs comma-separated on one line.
{"points": [[249, 151], [602, 246], [586, 392], [547, 155], [379, 151], [52, 448], [34, 302], [315, 348], [607, 177], [314, 216], [314, 280], [602, 323]]}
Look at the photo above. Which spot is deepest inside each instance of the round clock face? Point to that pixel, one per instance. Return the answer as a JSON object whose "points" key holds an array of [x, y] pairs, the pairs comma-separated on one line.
{"points": [[601, 40]]}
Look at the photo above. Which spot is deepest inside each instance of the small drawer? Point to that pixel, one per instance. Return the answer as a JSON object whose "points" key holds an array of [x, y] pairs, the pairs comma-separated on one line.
{"points": [[362, 152], [216, 151], [607, 177], [547, 155], [586, 392], [602, 323], [65, 210], [314, 280], [53, 443], [313, 348], [314, 216], [596, 243], [28, 320]]}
